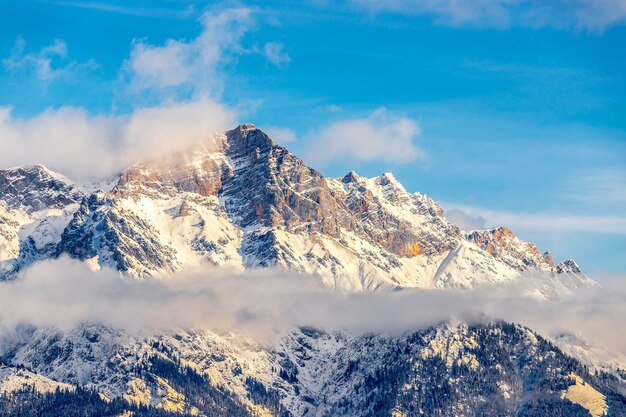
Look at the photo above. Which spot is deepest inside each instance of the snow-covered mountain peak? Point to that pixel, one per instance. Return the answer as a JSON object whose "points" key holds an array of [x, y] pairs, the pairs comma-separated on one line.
{"points": [[520, 255], [351, 176], [389, 178], [568, 266], [246, 139], [35, 187]]}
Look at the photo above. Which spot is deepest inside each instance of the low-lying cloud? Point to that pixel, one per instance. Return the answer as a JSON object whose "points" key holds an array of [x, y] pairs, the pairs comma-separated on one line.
{"points": [[263, 303]]}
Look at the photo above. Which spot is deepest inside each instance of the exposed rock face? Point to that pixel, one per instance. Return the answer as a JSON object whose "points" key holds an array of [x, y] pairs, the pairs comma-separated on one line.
{"points": [[34, 188], [568, 266], [404, 224], [268, 186], [503, 244], [547, 256], [103, 228], [197, 171]]}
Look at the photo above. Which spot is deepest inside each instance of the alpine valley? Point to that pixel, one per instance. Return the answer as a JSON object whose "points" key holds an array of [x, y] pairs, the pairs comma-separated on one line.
{"points": [[241, 202]]}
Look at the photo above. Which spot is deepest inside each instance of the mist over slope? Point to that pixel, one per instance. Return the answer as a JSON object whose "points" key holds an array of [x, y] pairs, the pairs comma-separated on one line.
{"points": [[263, 304]]}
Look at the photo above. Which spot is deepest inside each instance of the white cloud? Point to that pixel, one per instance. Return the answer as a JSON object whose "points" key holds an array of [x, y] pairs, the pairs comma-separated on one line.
{"points": [[593, 15], [156, 131], [82, 146], [180, 63], [382, 136], [195, 65], [465, 221], [275, 53], [65, 293], [280, 134], [542, 222], [49, 63]]}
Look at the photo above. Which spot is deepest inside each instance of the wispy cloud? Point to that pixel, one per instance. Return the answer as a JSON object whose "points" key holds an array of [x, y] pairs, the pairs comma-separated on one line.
{"points": [[190, 64], [543, 222], [130, 10], [605, 185], [382, 136], [47, 64], [280, 134], [275, 53], [592, 15], [465, 220], [196, 65]]}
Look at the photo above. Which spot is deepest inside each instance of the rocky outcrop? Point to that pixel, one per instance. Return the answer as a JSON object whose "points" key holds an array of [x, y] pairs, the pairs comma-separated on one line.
{"points": [[404, 224], [34, 188], [118, 238], [269, 186], [504, 245], [199, 170], [568, 266]]}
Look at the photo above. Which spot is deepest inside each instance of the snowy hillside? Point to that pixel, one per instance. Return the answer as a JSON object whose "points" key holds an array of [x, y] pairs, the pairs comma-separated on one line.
{"points": [[451, 369]]}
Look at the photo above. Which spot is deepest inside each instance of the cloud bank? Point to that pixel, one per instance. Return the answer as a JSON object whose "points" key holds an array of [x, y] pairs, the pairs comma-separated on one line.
{"points": [[264, 303]]}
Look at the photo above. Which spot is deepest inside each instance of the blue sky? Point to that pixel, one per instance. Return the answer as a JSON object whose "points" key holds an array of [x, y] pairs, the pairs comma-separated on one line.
{"points": [[505, 112]]}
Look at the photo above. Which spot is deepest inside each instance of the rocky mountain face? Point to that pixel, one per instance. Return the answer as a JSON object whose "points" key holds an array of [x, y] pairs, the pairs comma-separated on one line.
{"points": [[242, 201], [34, 188], [448, 370], [504, 245], [102, 228], [35, 206]]}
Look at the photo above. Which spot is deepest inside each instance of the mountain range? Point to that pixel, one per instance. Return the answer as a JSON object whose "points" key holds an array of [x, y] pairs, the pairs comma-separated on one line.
{"points": [[242, 202]]}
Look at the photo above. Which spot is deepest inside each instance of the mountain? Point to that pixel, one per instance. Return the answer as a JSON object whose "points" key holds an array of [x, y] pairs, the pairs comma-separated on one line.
{"points": [[240, 200], [35, 206], [451, 369]]}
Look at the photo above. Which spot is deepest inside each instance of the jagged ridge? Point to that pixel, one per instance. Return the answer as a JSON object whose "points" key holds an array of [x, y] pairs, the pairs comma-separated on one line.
{"points": [[241, 200]]}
